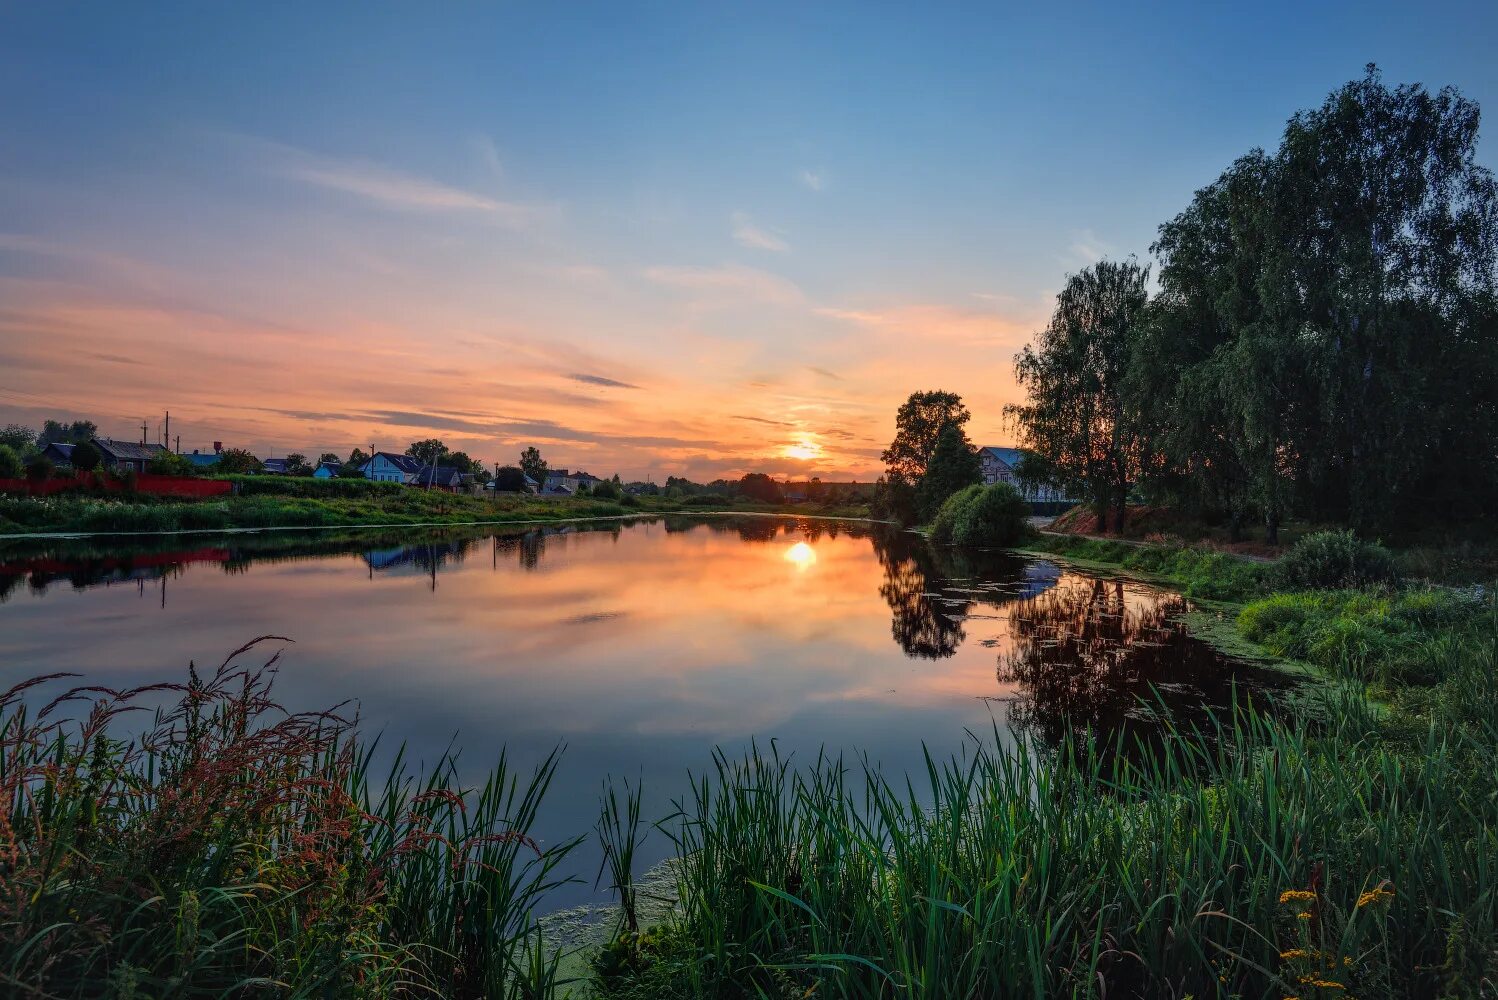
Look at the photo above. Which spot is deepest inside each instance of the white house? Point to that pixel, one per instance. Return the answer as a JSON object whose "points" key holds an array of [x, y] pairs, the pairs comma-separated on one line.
{"points": [[998, 467], [562, 481], [388, 467]]}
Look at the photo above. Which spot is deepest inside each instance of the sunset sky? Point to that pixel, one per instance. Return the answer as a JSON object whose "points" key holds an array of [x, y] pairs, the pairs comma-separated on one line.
{"points": [[654, 239]]}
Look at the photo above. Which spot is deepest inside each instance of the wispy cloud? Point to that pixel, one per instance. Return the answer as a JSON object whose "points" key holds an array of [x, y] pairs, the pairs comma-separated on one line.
{"points": [[1087, 248], [729, 280], [488, 152], [608, 383], [747, 234], [814, 180], [943, 322], [824, 373], [384, 186]]}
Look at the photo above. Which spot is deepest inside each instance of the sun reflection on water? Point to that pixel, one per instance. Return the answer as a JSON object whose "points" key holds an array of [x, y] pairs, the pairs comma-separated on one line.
{"points": [[801, 554]]}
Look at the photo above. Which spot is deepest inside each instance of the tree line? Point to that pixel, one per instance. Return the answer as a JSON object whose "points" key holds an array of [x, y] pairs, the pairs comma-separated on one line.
{"points": [[1322, 341]]}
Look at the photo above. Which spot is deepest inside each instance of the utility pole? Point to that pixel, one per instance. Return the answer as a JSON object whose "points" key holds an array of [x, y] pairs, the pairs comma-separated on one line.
{"points": [[167, 434], [143, 428]]}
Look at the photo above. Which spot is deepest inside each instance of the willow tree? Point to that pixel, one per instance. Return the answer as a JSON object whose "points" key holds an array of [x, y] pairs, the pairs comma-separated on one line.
{"points": [[1079, 414], [1387, 236]]}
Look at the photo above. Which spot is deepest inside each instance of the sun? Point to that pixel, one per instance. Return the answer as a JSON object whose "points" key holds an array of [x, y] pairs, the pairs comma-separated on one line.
{"points": [[804, 450]]}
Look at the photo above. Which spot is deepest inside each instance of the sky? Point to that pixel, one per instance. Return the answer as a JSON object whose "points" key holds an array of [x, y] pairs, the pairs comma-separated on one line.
{"points": [[695, 239]]}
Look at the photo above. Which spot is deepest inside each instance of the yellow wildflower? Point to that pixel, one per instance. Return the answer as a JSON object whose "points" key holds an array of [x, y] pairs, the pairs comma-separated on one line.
{"points": [[1297, 896], [1374, 896]]}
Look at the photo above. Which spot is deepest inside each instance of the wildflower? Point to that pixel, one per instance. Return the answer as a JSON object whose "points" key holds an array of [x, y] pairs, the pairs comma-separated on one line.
{"points": [[1375, 896], [1297, 896], [1302, 916]]}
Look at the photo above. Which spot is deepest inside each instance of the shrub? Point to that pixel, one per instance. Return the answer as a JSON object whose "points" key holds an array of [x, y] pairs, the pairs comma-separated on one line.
{"points": [[167, 463], [86, 457], [992, 516], [1334, 560], [10, 463], [39, 469]]}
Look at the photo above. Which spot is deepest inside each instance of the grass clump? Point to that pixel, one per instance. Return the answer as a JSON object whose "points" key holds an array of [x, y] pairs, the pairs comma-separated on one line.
{"points": [[1334, 560], [231, 849], [1384, 637], [982, 517], [1199, 572]]}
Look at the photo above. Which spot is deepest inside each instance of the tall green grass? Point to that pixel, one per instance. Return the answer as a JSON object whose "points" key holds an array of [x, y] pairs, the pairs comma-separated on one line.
{"points": [[230, 849], [1199, 572], [1339, 857]]}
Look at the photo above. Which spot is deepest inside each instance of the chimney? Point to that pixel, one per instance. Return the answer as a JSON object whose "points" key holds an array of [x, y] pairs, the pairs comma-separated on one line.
{"points": [[218, 446]]}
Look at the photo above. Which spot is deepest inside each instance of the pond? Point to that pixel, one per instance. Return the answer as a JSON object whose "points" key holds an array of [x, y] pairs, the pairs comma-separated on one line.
{"points": [[638, 646]]}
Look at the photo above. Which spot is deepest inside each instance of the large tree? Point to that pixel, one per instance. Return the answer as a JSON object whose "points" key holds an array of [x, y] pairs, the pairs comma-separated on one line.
{"points": [[534, 465], [918, 425], [1079, 414], [427, 451], [954, 464]]}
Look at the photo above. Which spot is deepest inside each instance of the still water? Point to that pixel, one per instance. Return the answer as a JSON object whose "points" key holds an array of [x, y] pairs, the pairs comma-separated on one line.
{"points": [[637, 647]]}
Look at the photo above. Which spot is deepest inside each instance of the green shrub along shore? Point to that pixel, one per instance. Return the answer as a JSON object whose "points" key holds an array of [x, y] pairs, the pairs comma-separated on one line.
{"points": [[287, 502], [1329, 851]]}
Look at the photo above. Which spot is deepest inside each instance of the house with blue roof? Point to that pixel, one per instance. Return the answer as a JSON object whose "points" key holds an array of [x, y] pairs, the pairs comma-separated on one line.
{"points": [[999, 466], [388, 467]]}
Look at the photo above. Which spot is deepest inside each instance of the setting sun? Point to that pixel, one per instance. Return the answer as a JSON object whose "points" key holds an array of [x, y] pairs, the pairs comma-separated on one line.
{"points": [[804, 450]]}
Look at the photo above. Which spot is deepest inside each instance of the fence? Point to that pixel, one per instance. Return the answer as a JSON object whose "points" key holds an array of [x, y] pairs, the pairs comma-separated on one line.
{"points": [[84, 482]]}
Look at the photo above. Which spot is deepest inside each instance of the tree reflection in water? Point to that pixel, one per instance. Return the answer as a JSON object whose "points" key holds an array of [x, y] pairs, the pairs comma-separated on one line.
{"points": [[1101, 659], [931, 592]]}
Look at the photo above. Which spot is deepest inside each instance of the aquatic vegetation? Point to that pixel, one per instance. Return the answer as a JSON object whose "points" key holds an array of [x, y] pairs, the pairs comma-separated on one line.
{"points": [[228, 848]]}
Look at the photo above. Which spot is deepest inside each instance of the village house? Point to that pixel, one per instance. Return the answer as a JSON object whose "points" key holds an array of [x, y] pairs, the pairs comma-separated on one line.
{"points": [[58, 453], [388, 467], [122, 456], [564, 482], [998, 467], [443, 477], [326, 470]]}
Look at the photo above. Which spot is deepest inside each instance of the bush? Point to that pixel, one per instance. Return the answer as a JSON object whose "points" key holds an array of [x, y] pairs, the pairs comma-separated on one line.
{"points": [[166, 463], [39, 469], [86, 457], [1334, 560], [10, 463], [991, 516]]}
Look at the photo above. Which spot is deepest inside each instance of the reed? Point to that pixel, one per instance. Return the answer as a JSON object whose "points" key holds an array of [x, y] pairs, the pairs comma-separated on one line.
{"points": [[227, 848], [1349, 855]]}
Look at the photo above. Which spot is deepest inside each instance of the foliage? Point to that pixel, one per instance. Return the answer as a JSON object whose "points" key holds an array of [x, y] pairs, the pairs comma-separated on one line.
{"points": [[918, 426], [533, 465], [39, 469], [329, 458], [169, 463], [236, 461], [1382, 637], [606, 489], [296, 464], [1198, 572], [10, 463], [60, 432], [758, 486], [1079, 413], [953, 465], [86, 457], [230, 846], [509, 479], [427, 451], [1325, 339], [1334, 560], [19, 438], [983, 516]]}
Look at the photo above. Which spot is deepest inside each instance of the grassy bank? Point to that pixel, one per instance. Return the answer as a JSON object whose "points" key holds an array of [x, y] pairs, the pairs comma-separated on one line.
{"points": [[327, 506]]}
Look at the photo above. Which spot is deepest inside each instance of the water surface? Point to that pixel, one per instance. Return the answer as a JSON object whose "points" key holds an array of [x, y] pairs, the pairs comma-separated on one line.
{"points": [[638, 646]]}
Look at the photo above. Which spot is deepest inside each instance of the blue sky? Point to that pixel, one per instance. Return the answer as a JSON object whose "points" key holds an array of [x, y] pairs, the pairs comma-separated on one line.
{"points": [[655, 239]]}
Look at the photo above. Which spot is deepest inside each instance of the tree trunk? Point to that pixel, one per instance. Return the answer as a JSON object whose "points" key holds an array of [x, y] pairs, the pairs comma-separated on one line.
{"points": [[1100, 512], [1120, 506], [1272, 528], [1235, 525]]}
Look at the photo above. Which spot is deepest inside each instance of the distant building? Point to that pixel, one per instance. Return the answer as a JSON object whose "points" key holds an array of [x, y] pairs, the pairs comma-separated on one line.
{"points": [[560, 481], [443, 477], [275, 466], [58, 453], [205, 459], [126, 455], [327, 470], [998, 467], [388, 467]]}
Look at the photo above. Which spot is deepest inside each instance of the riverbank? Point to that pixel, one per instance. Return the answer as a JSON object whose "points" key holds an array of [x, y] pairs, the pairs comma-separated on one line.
{"points": [[73, 514]]}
